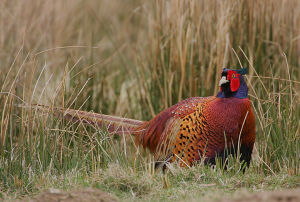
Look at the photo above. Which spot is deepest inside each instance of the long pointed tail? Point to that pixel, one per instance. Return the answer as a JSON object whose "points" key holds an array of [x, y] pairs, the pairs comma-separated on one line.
{"points": [[113, 124]]}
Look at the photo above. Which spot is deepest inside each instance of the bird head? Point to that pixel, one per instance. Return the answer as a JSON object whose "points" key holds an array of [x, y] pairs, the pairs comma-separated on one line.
{"points": [[231, 80]]}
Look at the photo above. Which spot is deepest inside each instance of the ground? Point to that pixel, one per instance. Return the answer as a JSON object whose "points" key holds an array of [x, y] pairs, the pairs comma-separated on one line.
{"points": [[82, 195], [92, 194], [291, 195]]}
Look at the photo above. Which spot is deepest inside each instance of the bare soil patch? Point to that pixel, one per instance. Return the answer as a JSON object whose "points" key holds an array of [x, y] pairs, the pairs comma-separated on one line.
{"points": [[291, 195], [84, 195], [91, 194]]}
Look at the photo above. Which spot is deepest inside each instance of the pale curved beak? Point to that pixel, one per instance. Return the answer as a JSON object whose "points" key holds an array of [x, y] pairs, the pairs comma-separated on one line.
{"points": [[223, 80]]}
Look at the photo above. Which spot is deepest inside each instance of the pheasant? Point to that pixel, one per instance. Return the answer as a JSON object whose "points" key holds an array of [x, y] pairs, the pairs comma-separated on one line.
{"points": [[195, 129]]}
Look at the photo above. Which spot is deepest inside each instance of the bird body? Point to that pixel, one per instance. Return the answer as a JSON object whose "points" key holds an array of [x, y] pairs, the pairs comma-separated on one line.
{"points": [[198, 127], [195, 129]]}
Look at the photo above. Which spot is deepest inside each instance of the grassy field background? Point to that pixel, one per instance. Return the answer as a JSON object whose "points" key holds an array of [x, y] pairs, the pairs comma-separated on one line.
{"points": [[133, 59]]}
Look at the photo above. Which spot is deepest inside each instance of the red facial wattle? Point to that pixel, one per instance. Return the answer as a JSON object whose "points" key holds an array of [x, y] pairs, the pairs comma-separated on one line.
{"points": [[233, 77]]}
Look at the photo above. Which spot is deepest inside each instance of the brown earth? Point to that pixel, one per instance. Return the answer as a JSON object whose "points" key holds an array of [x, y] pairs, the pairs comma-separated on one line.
{"points": [[291, 195], [84, 195], [91, 194]]}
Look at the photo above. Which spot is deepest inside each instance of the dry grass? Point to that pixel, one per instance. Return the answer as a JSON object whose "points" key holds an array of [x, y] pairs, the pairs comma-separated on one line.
{"points": [[134, 59]]}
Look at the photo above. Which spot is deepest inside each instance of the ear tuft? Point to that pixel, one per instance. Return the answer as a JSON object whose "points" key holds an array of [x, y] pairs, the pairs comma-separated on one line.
{"points": [[243, 71]]}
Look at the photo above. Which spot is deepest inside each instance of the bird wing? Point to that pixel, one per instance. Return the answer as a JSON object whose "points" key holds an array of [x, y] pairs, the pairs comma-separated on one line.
{"points": [[193, 126], [160, 133]]}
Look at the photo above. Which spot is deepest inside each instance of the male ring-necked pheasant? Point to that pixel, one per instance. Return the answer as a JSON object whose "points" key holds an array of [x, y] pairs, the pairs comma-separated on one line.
{"points": [[198, 128]]}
